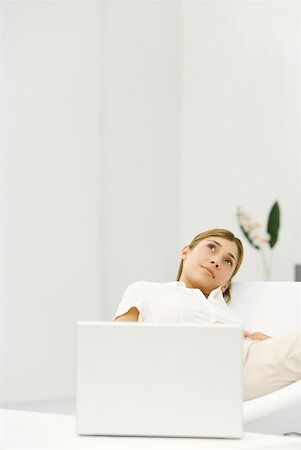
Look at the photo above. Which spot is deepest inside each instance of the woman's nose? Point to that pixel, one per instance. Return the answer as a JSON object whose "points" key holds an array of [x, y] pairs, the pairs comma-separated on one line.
{"points": [[213, 262]]}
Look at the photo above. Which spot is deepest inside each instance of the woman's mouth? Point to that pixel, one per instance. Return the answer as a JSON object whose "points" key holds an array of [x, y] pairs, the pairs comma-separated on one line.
{"points": [[208, 271]]}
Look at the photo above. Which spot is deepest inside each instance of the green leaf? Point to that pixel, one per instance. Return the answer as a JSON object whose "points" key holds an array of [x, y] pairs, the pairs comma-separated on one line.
{"points": [[274, 224]]}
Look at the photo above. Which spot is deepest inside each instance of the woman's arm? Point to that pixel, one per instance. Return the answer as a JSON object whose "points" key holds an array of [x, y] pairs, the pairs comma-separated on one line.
{"points": [[130, 316], [256, 336]]}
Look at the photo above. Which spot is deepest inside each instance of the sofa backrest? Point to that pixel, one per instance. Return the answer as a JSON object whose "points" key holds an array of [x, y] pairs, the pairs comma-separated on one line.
{"points": [[272, 307]]}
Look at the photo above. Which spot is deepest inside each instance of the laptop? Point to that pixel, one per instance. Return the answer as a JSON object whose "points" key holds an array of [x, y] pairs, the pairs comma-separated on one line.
{"points": [[159, 379]]}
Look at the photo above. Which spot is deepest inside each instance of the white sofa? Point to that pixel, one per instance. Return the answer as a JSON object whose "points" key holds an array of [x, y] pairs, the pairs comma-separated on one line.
{"points": [[274, 308]]}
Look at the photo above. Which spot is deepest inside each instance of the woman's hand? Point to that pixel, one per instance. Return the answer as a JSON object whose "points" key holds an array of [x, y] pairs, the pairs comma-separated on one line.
{"points": [[256, 336]]}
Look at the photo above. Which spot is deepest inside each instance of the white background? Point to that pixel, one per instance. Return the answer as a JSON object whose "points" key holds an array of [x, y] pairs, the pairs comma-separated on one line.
{"points": [[126, 129]]}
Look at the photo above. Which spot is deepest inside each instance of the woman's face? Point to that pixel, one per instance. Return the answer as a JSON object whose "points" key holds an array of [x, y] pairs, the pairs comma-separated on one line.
{"points": [[210, 264]]}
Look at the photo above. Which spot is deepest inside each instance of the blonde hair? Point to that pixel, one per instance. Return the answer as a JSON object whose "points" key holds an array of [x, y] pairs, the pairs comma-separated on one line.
{"points": [[218, 232]]}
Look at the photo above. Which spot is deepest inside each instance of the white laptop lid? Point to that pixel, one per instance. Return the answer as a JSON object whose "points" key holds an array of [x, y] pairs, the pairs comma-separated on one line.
{"points": [[151, 379]]}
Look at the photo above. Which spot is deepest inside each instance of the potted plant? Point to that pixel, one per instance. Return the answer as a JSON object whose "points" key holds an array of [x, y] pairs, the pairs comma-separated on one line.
{"points": [[261, 241]]}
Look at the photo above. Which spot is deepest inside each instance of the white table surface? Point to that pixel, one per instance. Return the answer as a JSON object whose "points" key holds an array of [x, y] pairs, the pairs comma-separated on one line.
{"points": [[39, 431]]}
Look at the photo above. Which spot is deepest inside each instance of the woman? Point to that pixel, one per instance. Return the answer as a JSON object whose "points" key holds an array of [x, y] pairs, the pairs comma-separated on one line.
{"points": [[201, 294]]}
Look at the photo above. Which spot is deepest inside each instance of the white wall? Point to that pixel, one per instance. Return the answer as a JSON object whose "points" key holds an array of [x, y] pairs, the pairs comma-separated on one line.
{"points": [[130, 127], [90, 178], [51, 188], [141, 145], [298, 197], [240, 123]]}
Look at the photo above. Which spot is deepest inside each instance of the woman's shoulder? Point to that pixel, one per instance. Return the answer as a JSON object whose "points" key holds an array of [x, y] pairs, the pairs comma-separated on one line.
{"points": [[147, 285]]}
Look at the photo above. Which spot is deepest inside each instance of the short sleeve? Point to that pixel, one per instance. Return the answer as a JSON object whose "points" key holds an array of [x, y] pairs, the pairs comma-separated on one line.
{"points": [[132, 297]]}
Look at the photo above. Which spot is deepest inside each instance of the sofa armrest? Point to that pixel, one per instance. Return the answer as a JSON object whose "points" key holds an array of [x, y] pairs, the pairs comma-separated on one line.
{"points": [[272, 307], [282, 399]]}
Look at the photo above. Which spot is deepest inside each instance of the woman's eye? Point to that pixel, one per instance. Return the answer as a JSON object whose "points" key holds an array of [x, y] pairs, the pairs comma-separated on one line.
{"points": [[211, 246], [228, 261]]}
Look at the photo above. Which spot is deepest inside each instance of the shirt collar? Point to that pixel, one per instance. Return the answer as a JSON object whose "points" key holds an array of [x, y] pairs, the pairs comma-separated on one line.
{"points": [[216, 293]]}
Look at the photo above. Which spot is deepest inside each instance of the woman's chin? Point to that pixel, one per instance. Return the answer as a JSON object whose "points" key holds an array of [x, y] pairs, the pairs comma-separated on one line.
{"points": [[202, 283]]}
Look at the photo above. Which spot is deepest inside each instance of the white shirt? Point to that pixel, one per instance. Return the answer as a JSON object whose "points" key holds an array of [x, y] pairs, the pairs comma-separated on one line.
{"points": [[173, 302]]}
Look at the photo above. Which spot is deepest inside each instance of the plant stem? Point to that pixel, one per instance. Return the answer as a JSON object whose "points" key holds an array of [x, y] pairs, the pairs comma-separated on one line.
{"points": [[266, 264]]}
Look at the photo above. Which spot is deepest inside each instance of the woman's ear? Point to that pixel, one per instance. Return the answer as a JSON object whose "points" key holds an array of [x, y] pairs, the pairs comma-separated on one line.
{"points": [[184, 252]]}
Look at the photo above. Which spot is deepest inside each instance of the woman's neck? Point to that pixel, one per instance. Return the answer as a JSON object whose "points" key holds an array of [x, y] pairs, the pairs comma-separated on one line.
{"points": [[188, 285]]}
